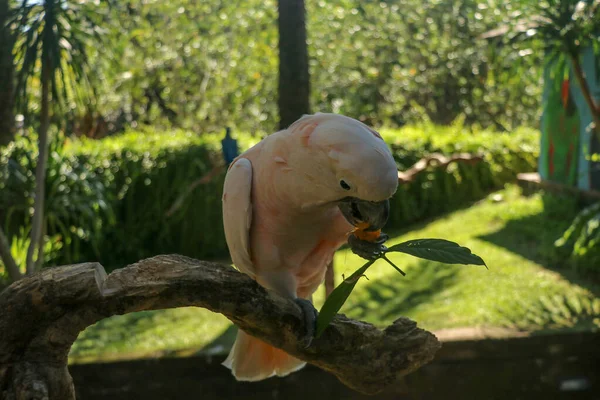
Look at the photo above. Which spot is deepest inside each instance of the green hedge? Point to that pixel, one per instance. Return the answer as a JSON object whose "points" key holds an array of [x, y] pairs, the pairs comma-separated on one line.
{"points": [[77, 206], [115, 193], [145, 173], [439, 190]]}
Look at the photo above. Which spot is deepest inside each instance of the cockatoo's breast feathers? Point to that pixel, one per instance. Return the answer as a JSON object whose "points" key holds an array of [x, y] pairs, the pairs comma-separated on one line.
{"points": [[358, 154]]}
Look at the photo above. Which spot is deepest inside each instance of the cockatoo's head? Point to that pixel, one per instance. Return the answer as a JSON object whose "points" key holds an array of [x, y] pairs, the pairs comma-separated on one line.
{"points": [[350, 164]]}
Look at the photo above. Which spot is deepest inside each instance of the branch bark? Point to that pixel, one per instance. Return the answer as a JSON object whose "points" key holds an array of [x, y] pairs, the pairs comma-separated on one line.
{"points": [[43, 314]]}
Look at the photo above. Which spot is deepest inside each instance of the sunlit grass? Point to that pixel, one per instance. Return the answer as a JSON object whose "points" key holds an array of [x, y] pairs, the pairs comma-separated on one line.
{"points": [[512, 233], [148, 333]]}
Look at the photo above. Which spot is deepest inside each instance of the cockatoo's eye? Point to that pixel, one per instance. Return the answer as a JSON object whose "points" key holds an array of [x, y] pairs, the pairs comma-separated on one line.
{"points": [[344, 185]]}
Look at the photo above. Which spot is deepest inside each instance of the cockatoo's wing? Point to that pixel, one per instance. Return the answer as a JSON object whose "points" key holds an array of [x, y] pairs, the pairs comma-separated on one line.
{"points": [[237, 214]]}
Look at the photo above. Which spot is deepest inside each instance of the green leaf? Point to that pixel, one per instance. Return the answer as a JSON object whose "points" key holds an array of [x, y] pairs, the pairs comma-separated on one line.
{"points": [[338, 297], [438, 250]]}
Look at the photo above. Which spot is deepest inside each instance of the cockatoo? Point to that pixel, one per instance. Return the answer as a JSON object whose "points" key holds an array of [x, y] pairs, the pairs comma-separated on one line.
{"points": [[289, 203]]}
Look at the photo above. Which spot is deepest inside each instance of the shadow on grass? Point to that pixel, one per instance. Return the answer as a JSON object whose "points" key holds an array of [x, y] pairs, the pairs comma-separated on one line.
{"points": [[561, 312], [394, 296], [533, 237], [115, 329]]}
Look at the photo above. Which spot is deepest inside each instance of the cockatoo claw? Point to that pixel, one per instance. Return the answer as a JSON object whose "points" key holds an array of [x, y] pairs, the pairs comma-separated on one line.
{"points": [[310, 321]]}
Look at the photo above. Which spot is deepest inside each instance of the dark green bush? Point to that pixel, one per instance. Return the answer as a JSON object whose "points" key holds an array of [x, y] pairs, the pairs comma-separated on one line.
{"points": [[77, 208], [580, 244], [144, 173], [108, 199]]}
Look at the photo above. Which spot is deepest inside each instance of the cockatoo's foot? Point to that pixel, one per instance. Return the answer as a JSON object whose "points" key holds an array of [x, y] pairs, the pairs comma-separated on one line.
{"points": [[310, 321], [368, 250]]}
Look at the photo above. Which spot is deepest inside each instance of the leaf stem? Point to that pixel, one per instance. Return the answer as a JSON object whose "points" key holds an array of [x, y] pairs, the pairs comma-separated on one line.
{"points": [[392, 264]]}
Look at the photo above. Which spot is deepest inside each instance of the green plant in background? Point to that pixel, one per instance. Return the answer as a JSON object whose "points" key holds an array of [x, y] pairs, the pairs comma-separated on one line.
{"points": [[393, 62], [580, 244], [440, 190], [7, 70], [18, 248], [429, 249], [564, 28], [77, 209], [214, 64], [51, 42], [401, 61], [123, 186], [144, 174], [567, 311]]}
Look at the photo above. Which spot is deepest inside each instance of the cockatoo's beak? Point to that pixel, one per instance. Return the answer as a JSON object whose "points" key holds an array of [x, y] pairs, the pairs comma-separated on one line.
{"points": [[359, 211]]}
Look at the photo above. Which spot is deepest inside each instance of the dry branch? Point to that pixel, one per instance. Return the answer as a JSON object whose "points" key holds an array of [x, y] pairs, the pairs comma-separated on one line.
{"points": [[329, 279], [200, 181], [438, 160], [43, 314]]}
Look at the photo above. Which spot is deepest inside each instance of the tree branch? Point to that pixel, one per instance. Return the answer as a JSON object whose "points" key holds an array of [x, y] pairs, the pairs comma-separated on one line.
{"points": [[43, 314], [201, 181], [440, 160], [37, 238]]}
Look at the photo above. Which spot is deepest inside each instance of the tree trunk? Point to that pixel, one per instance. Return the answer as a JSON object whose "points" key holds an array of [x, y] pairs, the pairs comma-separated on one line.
{"points": [[7, 118], [294, 84], [43, 314], [587, 95], [37, 237]]}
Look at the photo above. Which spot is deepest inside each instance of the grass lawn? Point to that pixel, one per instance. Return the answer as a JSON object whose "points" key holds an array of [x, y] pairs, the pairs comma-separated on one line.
{"points": [[522, 289]]}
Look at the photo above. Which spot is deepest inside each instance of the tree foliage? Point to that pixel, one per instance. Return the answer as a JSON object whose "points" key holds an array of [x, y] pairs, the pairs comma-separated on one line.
{"points": [[7, 120], [110, 200], [399, 61], [51, 39], [206, 65], [195, 65]]}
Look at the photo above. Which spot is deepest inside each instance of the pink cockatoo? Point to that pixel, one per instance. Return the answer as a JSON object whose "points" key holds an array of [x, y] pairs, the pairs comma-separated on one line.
{"points": [[289, 203]]}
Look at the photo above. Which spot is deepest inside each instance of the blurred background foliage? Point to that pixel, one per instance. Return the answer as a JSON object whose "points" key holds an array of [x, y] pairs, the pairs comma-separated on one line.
{"points": [[385, 62], [169, 76], [110, 199], [396, 62]]}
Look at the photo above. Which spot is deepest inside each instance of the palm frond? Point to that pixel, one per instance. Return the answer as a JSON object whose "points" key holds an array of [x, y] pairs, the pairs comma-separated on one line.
{"points": [[58, 32]]}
